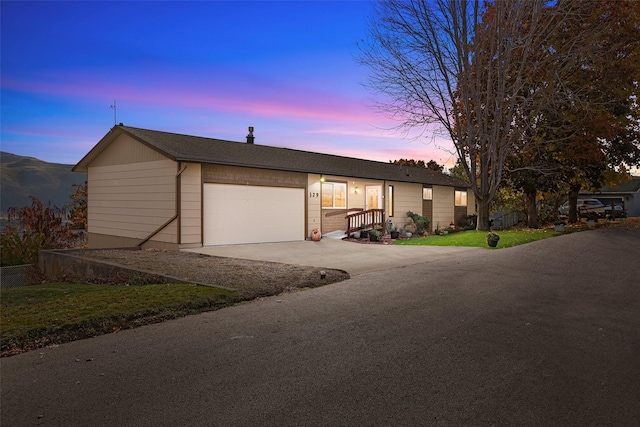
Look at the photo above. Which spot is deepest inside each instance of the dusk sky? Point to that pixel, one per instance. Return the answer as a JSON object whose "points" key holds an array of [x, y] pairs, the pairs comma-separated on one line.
{"points": [[208, 68]]}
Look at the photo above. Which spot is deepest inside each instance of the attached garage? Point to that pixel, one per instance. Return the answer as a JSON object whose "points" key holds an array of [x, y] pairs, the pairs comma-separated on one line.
{"points": [[237, 214]]}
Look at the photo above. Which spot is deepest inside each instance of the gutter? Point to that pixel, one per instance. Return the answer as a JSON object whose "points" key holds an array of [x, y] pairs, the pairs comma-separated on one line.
{"points": [[175, 216]]}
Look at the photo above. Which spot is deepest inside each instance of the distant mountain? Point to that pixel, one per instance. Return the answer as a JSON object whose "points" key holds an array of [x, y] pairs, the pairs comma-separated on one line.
{"points": [[22, 177]]}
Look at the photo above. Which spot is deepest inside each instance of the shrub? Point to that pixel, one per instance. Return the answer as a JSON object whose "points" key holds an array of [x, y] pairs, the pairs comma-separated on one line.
{"points": [[78, 207], [20, 248], [39, 227], [421, 223], [469, 222]]}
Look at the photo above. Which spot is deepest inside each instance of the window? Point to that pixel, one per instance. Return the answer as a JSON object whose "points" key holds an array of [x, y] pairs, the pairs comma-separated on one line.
{"points": [[390, 200], [427, 193], [334, 195], [461, 198]]}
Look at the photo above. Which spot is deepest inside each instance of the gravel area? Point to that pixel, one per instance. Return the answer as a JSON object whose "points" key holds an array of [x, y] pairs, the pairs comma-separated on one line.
{"points": [[252, 278]]}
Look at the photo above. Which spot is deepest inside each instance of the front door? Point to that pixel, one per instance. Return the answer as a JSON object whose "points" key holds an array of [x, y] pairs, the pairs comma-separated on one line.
{"points": [[373, 197]]}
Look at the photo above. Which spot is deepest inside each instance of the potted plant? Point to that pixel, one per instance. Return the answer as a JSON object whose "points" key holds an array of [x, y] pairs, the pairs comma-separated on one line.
{"points": [[363, 233], [356, 234], [492, 239], [375, 235], [394, 233], [393, 230], [558, 225], [592, 218]]}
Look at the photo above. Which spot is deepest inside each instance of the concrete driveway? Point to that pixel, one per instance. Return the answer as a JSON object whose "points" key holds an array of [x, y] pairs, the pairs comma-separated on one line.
{"points": [[351, 257]]}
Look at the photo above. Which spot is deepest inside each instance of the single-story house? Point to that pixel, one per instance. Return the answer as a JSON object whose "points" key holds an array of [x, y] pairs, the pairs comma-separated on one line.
{"points": [[166, 190], [626, 195]]}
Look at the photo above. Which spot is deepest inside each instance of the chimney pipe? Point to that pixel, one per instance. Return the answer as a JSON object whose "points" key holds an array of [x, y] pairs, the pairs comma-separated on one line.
{"points": [[250, 137]]}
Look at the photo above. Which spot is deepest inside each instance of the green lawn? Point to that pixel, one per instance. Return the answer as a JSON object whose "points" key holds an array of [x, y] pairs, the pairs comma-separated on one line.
{"points": [[476, 238], [34, 316]]}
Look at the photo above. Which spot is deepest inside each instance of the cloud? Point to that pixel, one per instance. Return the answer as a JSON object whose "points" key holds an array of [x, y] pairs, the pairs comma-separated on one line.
{"points": [[241, 93]]}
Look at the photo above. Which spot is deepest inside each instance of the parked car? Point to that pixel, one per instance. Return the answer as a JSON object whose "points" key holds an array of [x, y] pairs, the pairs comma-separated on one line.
{"points": [[618, 212], [584, 206]]}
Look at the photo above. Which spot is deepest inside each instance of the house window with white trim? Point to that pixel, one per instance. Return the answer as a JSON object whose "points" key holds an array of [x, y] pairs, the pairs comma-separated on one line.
{"points": [[334, 195], [390, 213], [461, 198], [427, 193]]}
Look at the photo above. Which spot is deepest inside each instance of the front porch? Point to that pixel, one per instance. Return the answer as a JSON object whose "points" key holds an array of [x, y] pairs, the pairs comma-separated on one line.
{"points": [[360, 219]]}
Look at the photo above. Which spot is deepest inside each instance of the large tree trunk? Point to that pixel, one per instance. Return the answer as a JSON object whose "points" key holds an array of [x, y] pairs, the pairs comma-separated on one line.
{"points": [[483, 214], [532, 212], [573, 201]]}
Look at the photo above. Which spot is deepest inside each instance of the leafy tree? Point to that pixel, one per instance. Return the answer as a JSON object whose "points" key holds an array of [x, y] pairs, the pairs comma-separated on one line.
{"points": [[78, 207], [431, 164], [410, 162], [593, 129], [462, 66], [39, 226], [458, 171], [434, 166]]}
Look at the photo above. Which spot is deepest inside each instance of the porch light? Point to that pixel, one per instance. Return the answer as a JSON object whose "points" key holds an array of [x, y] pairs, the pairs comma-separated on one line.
{"points": [[355, 190], [321, 178]]}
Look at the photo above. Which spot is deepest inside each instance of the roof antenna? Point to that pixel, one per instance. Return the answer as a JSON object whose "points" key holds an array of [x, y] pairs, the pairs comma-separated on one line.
{"points": [[114, 112]]}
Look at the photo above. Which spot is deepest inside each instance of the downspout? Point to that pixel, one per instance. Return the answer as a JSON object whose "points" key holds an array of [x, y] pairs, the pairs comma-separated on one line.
{"points": [[175, 216]]}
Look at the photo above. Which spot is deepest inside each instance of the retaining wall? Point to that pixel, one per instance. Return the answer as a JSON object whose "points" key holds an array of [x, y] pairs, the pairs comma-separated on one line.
{"points": [[69, 265]]}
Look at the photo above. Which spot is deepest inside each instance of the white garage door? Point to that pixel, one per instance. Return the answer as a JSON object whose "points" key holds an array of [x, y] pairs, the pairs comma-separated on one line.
{"points": [[235, 214]]}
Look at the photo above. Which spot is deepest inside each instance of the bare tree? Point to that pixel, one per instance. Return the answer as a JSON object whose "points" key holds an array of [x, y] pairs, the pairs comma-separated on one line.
{"points": [[461, 65]]}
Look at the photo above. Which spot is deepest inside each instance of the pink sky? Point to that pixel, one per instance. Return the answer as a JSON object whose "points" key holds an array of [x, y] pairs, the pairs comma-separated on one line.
{"points": [[200, 68]]}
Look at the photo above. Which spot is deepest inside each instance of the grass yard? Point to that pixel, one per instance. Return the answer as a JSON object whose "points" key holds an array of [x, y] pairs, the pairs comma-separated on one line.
{"points": [[35, 316], [475, 238]]}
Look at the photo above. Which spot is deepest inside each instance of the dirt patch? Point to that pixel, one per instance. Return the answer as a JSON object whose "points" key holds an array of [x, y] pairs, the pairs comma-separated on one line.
{"points": [[251, 278]]}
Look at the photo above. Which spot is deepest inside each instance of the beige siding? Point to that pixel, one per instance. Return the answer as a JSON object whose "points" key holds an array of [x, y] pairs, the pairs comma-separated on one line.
{"points": [[132, 200], [97, 241], [191, 204], [314, 209], [408, 197], [333, 222], [125, 150], [443, 206], [355, 199], [471, 202], [224, 174]]}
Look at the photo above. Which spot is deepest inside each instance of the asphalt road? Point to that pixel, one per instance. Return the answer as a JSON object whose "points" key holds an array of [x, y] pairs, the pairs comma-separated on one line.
{"points": [[542, 334]]}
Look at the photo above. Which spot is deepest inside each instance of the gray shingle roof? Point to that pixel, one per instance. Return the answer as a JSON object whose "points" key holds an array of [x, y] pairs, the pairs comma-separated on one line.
{"points": [[633, 186], [197, 149]]}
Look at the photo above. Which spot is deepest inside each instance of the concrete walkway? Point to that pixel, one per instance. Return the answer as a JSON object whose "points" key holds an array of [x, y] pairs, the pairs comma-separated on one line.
{"points": [[353, 258]]}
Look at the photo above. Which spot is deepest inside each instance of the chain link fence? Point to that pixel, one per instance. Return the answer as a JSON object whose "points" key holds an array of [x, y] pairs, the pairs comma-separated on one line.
{"points": [[16, 276]]}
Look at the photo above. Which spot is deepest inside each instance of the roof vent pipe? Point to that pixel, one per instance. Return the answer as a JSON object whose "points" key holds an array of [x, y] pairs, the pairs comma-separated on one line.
{"points": [[250, 137]]}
